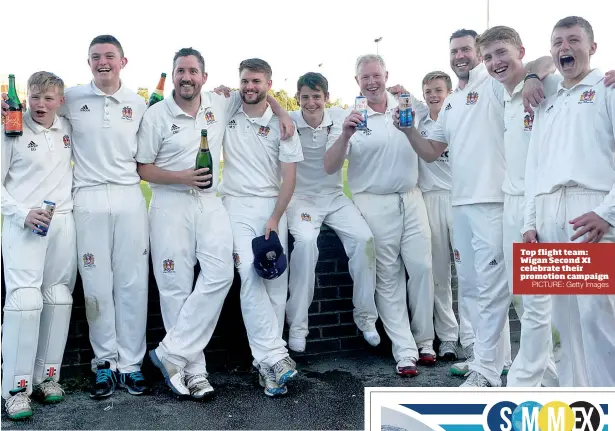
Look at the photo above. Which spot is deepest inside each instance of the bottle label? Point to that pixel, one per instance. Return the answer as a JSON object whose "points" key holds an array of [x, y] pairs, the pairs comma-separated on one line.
{"points": [[13, 121]]}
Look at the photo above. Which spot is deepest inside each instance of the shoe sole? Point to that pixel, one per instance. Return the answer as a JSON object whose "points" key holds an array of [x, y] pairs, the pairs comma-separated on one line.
{"points": [[412, 373], [278, 392], [20, 416], [100, 397], [430, 362], [154, 358], [130, 390], [53, 399], [207, 395]]}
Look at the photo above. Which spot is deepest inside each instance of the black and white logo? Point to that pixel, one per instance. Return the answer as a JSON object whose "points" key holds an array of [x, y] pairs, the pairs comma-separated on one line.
{"points": [[174, 129], [366, 131], [85, 108], [448, 107], [32, 146], [232, 124], [423, 133]]}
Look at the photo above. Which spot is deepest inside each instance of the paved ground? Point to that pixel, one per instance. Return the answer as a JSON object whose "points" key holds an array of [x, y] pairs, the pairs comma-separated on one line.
{"points": [[327, 395]]}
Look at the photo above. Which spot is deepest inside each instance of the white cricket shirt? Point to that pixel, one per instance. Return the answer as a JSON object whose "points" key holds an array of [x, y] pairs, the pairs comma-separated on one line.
{"points": [[105, 134], [253, 151], [311, 176], [170, 138], [471, 122], [517, 132], [573, 144], [36, 167], [434, 176]]}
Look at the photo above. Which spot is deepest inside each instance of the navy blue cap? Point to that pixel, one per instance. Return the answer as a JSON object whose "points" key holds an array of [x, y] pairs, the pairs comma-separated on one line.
{"points": [[269, 258]]}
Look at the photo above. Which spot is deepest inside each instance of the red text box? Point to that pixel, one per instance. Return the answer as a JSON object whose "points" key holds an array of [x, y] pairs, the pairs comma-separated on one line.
{"points": [[564, 269]]}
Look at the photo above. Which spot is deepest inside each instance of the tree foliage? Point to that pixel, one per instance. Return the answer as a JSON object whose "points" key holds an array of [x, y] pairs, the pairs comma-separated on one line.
{"points": [[289, 102]]}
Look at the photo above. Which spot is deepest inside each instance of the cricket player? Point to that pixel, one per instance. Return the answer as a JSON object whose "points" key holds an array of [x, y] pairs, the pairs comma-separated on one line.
{"points": [[319, 198], [383, 175], [188, 222], [39, 249], [472, 123], [502, 51], [257, 184], [570, 193]]}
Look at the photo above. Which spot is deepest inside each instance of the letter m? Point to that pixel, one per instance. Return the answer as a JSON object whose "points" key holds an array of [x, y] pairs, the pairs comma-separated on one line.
{"points": [[529, 423], [556, 423]]}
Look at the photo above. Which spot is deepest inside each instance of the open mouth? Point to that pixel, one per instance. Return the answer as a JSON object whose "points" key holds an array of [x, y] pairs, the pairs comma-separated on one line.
{"points": [[104, 70], [501, 69], [567, 62], [372, 89], [186, 85], [434, 102], [40, 113], [461, 65]]}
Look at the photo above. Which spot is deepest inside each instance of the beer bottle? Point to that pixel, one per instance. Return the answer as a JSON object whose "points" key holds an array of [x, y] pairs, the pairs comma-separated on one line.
{"points": [[158, 93], [13, 124], [204, 159]]}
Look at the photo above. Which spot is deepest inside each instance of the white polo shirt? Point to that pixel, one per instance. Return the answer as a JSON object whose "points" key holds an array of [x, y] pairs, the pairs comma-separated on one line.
{"points": [[380, 158], [105, 133], [434, 176], [170, 138], [252, 155], [471, 122], [573, 144], [36, 167], [517, 132], [311, 176]]}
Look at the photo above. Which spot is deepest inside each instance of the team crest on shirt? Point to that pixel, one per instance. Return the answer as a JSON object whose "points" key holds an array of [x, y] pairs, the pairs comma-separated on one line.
{"points": [[66, 140], [587, 97], [88, 260], [210, 118], [457, 255], [528, 122], [306, 217], [127, 113], [168, 266], [472, 98], [263, 131], [236, 259]]}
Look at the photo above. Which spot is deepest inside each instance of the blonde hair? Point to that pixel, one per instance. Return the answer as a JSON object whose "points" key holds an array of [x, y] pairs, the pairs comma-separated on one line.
{"points": [[368, 58], [438, 75], [45, 80], [499, 34]]}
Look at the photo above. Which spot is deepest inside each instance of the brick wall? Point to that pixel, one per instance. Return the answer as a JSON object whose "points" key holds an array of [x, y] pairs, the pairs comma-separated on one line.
{"points": [[331, 325]]}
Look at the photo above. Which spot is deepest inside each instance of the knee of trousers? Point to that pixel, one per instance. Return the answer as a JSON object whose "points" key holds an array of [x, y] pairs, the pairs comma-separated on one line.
{"points": [[307, 240], [420, 266], [58, 294], [24, 299]]}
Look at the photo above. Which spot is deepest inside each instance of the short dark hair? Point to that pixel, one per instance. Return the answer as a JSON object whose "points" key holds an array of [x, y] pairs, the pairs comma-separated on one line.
{"points": [[107, 38], [463, 33], [256, 65], [186, 52], [437, 74], [315, 81], [571, 21]]}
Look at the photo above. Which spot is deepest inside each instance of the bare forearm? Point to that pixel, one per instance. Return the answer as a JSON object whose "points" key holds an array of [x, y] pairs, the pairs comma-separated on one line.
{"points": [[426, 149], [336, 155], [275, 106], [156, 175], [286, 193], [542, 67]]}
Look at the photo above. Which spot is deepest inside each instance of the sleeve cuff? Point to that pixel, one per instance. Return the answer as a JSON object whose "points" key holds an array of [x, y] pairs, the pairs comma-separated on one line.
{"points": [[20, 217], [607, 213]]}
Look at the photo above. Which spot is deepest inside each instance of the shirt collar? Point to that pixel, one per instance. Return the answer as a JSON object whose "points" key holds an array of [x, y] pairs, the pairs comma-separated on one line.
{"points": [[119, 95], [391, 105], [302, 124], [518, 89], [478, 72], [39, 128], [176, 111], [261, 121], [592, 78]]}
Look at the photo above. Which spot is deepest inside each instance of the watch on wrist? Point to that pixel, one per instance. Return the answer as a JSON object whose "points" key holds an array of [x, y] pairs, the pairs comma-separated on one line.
{"points": [[531, 76]]}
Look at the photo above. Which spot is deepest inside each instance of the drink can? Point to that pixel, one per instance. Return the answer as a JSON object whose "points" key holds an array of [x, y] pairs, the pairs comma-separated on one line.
{"points": [[405, 111], [360, 104], [50, 208]]}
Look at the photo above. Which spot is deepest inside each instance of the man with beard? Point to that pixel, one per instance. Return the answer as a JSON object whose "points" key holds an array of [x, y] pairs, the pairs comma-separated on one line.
{"points": [[472, 122], [189, 222], [256, 158], [570, 195], [383, 176]]}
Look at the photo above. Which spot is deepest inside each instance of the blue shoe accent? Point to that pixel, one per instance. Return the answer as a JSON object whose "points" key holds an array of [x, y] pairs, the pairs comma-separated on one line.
{"points": [[274, 392], [134, 383], [284, 378], [105, 382], [158, 363]]}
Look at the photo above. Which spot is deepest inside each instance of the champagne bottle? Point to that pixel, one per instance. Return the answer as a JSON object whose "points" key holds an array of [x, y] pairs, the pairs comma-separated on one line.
{"points": [[204, 159], [13, 124], [158, 93]]}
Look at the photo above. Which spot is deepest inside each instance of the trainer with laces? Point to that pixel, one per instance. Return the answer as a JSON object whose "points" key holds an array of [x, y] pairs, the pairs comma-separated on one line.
{"points": [[40, 256]]}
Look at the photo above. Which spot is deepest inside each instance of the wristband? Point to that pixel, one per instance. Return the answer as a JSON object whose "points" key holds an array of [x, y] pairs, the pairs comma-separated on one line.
{"points": [[530, 76]]}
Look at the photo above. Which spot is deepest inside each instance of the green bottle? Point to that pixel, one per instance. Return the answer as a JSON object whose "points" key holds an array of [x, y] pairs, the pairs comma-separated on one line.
{"points": [[204, 159], [158, 93], [13, 123]]}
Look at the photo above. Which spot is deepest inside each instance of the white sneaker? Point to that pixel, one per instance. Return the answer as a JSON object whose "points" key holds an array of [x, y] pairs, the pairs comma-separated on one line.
{"points": [[199, 386], [448, 350], [284, 370], [49, 391], [463, 368], [18, 406], [266, 378], [372, 337], [477, 380], [174, 376], [296, 344]]}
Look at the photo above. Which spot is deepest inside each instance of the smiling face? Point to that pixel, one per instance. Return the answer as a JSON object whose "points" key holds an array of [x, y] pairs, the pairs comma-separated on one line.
{"points": [[253, 86], [504, 62], [571, 50], [106, 61], [463, 56], [372, 79], [188, 77], [312, 101], [434, 93]]}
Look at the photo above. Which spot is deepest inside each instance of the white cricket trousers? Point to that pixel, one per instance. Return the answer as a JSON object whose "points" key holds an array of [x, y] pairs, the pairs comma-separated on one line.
{"points": [[534, 364], [586, 323], [113, 255], [477, 231], [262, 301], [189, 227], [39, 275], [306, 214], [401, 235]]}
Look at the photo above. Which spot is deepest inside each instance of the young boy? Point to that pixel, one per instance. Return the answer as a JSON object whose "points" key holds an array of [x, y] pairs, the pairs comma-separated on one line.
{"points": [[39, 249]]}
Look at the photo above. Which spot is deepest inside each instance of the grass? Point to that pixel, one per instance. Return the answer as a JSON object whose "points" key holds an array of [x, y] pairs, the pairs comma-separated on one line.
{"points": [[147, 192]]}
